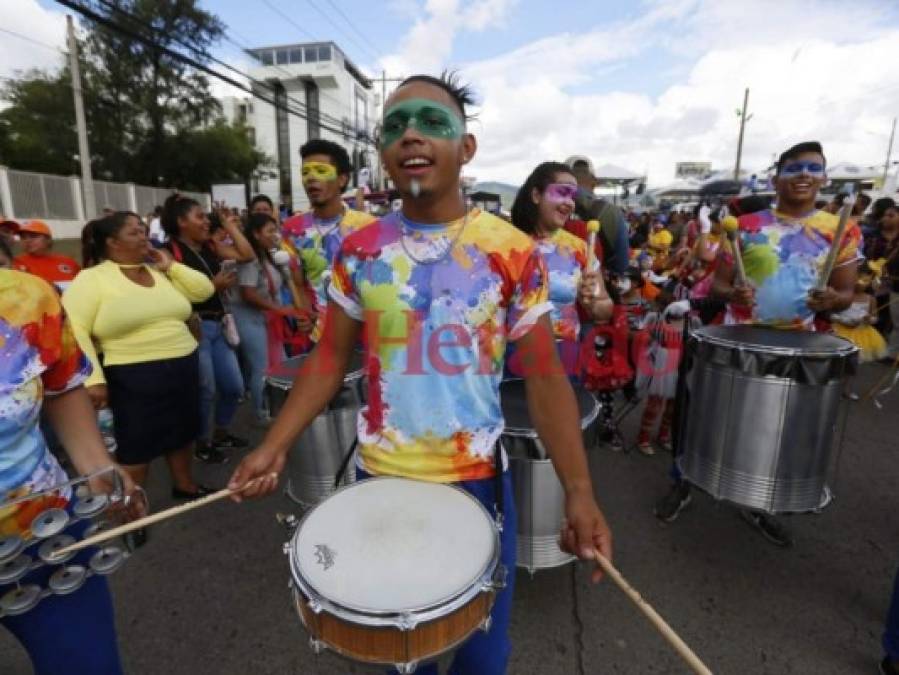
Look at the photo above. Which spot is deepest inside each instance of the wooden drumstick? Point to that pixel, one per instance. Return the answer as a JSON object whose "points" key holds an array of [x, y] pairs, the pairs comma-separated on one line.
{"points": [[157, 517], [731, 227], [661, 625], [592, 229], [831, 259]]}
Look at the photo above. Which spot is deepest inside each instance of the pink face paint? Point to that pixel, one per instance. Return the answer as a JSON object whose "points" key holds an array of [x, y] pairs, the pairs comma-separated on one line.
{"points": [[560, 192]]}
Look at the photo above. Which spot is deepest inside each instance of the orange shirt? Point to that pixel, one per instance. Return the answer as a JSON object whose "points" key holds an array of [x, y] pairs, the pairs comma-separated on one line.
{"points": [[58, 270]]}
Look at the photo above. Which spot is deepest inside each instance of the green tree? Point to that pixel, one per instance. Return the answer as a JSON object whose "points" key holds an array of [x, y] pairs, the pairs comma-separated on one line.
{"points": [[151, 119], [37, 130]]}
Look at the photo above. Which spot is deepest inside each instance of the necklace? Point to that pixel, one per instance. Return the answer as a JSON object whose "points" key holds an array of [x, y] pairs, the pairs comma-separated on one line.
{"points": [[124, 266], [409, 232], [332, 227]]}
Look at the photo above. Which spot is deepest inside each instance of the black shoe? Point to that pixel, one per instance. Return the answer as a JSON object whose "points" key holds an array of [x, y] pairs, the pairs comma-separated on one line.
{"points": [[668, 508], [229, 442], [771, 528], [887, 667], [209, 454], [201, 491]]}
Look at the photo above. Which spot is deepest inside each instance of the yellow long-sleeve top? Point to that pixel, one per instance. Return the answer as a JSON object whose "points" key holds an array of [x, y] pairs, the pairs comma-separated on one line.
{"points": [[131, 323]]}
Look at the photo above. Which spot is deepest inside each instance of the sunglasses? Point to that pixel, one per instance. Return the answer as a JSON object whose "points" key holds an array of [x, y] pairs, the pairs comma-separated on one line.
{"points": [[793, 169], [560, 192]]}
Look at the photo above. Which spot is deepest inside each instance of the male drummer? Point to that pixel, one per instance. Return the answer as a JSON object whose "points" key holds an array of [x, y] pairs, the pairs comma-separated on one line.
{"points": [[439, 289], [784, 250], [316, 236]]}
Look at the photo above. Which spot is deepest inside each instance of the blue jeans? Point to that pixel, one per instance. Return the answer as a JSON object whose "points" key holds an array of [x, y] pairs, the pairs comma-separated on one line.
{"points": [[254, 345], [68, 634], [891, 630], [487, 653], [219, 375]]}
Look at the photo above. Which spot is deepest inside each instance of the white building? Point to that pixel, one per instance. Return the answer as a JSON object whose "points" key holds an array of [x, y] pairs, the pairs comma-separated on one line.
{"points": [[318, 81]]}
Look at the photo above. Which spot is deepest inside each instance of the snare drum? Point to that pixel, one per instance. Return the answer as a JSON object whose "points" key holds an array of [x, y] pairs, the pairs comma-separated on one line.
{"points": [[395, 572], [759, 419], [319, 452], [539, 497]]}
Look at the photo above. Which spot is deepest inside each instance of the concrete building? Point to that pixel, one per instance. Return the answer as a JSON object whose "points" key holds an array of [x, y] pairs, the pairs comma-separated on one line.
{"points": [[319, 81]]}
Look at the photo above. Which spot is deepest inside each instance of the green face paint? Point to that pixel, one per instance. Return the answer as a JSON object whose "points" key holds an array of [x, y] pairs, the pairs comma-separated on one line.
{"points": [[318, 171], [430, 118]]}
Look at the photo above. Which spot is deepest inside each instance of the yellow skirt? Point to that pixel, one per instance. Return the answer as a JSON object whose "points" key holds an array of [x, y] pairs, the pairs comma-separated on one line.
{"points": [[866, 337]]}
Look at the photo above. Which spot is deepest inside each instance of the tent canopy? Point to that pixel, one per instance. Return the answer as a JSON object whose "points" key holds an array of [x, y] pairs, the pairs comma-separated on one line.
{"points": [[612, 175]]}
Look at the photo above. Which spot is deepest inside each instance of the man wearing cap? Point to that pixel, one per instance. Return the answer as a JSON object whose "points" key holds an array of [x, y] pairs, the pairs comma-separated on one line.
{"points": [[39, 260], [613, 233]]}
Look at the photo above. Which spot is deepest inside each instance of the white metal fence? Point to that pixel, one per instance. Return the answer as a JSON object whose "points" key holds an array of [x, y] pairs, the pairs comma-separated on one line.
{"points": [[24, 195]]}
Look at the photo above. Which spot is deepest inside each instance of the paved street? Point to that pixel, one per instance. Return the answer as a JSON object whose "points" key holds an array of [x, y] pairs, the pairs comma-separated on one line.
{"points": [[208, 594]]}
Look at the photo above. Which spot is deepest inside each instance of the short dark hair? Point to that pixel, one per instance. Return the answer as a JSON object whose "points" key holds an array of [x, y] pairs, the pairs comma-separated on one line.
{"points": [[880, 207], [800, 149], [337, 153], [261, 198], [864, 197], [450, 81], [524, 210]]}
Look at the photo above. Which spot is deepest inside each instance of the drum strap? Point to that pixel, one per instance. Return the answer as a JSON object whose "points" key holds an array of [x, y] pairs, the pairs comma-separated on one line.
{"points": [[498, 484], [345, 463]]}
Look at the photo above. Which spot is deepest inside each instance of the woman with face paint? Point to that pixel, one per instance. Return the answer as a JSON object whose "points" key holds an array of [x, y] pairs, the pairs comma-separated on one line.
{"points": [[576, 290], [460, 283], [315, 237]]}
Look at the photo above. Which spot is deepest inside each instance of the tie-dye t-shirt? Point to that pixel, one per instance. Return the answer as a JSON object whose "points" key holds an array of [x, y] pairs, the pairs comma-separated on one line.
{"points": [[317, 243], [436, 327], [38, 357], [783, 257], [566, 260]]}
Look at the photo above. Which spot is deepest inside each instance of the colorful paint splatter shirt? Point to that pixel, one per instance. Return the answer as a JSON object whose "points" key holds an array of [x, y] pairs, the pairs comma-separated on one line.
{"points": [[566, 260], [316, 242], [439, 305], [782, 256], [38, 357]]}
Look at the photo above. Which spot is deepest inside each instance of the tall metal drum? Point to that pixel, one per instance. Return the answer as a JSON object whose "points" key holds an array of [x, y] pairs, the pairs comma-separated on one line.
{"points": [[539, 497], [758, 424], [319, 452]]}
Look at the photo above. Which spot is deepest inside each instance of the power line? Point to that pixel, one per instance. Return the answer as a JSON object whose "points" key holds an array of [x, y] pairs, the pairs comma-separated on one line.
{"points": [[337, 27], [32, 40], [104, 21], [378, 52], [205, 55]]}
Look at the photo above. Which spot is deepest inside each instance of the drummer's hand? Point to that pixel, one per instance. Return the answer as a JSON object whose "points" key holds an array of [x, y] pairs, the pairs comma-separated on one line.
{"points": [[263, 466], [585, 529], [306, 322], [743, 296], [134, 505], [588, 288], [822, 300]]}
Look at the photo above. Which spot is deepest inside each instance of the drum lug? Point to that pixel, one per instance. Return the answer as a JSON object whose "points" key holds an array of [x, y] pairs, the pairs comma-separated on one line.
{"points": [[487, 623], [500, 519], [317, 646], [285, 548], [315, 606], [287, 520], [406, 622], [498, 582], [406, 668]]}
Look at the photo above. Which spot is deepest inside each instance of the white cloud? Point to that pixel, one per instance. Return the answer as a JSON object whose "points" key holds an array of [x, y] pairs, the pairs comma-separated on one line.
{"points": [[40, 25], [816, 69], [428, 44]]}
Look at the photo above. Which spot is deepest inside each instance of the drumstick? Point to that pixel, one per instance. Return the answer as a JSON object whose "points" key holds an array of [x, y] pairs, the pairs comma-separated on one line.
{"points": [[731, 227], [831, 259], [592, 229], [667, 632], [154, 518]]}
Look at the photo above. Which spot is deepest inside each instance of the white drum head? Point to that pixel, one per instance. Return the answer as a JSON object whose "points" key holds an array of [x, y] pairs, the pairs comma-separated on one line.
{"points": [[391, 545]]}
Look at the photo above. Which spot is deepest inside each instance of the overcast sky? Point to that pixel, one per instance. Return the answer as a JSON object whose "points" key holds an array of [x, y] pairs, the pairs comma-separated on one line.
{"points": [[641, 84]]}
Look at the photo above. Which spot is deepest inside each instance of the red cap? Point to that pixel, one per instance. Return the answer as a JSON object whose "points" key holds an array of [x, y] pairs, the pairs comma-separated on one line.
{"points": [[36, 227]]}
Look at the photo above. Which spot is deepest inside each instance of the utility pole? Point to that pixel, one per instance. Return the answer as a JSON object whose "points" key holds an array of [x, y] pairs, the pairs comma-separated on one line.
{"points": [[886, 164], [743, 119], [87, 180]]}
